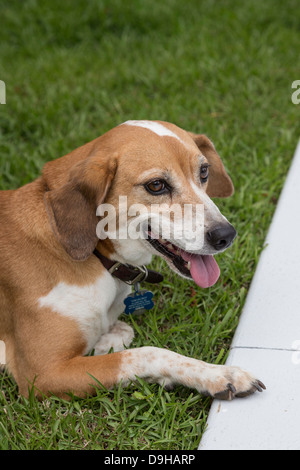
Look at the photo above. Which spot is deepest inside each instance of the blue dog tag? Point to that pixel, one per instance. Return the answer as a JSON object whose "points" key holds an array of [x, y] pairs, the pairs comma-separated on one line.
{"points": [[138, 302]]}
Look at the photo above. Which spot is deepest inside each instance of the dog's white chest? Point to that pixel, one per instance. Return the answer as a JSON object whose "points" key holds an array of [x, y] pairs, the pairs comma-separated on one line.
{"points": [[95, 307]]}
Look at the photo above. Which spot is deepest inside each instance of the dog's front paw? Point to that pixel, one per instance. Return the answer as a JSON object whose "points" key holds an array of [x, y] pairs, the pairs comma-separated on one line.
{"points": [[228, 382], [119, 336]]}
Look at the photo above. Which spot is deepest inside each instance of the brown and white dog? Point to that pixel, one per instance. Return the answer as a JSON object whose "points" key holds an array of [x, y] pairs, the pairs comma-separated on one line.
{"points": [[58, 302]]}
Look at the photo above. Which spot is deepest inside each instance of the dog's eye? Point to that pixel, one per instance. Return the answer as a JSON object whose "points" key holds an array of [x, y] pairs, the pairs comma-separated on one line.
{"points": [[156, 187], [204, 172]]}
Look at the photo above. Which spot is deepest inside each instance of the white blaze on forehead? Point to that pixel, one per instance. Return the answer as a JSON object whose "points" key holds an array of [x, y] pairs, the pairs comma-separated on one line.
{"points": [[155, 127]]}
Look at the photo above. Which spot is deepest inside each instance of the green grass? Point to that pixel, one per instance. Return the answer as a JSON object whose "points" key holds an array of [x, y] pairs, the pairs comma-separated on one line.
{"points": [[76, 69]]}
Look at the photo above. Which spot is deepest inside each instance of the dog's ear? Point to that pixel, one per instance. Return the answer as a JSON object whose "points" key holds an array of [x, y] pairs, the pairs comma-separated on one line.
{"points": [[219, 183], [72, 207]]}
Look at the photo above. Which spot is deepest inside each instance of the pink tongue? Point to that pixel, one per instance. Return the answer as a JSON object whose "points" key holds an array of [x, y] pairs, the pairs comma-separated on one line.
{"points": [[204, 268]]}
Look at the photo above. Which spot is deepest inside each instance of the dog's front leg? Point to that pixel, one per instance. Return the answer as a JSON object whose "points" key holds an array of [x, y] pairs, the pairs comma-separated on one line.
{"points": [[168, 368], [152, 364]]}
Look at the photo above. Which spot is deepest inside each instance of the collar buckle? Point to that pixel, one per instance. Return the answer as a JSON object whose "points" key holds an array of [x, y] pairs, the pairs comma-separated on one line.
{"points": [[140, 277], [114, 267]]}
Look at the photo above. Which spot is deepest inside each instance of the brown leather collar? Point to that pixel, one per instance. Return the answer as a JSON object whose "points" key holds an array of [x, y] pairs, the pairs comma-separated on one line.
{"points": [[127, 273]]}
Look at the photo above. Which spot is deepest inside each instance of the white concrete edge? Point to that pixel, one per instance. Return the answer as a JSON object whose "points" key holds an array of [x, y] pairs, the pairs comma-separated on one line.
{"points": [[271, 422], [238, 339]]}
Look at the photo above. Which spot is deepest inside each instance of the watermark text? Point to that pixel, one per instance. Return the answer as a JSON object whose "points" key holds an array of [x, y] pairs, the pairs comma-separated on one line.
{"points": [[296, 353], [296, 95], [2, 92], [157, 221]]}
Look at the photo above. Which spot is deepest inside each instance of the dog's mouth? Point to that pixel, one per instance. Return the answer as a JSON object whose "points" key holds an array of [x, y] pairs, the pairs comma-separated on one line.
{"points": [[203, 269]]}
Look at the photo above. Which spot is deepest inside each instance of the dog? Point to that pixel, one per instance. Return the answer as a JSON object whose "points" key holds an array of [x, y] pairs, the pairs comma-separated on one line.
{"points": [[62, 288]]}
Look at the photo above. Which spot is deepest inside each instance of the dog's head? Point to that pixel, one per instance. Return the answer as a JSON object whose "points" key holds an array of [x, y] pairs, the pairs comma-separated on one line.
{"points": [[147, 185]]}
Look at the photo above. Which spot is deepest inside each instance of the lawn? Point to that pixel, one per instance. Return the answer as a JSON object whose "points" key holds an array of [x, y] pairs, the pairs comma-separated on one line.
{"points": [[73, 70]]}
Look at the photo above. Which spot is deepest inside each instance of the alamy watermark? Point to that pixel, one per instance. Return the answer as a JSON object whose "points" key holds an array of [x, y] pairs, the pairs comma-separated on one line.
{"points": [[2, 92], [296, 353], [296, 95], [182, 223]]}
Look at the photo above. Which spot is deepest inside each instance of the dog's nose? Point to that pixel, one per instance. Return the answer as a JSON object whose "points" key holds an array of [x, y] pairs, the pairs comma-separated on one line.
{"points": [[221, 237]]}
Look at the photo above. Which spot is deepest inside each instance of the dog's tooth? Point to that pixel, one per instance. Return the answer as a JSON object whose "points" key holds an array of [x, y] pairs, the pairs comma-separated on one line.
{"points": [[188, 265], [170, 246]]}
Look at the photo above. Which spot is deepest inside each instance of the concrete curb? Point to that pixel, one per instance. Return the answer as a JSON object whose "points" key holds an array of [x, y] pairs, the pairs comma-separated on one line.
{"points": [[267, 342]]}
